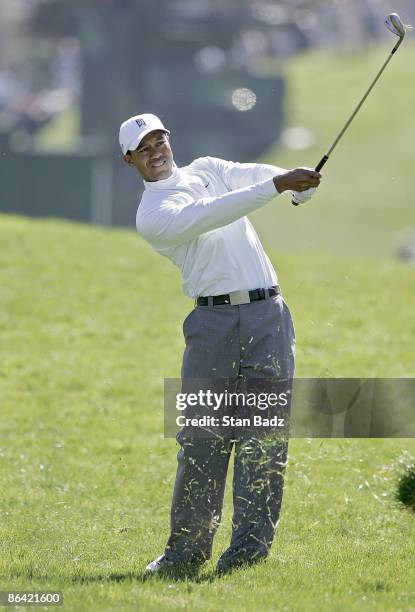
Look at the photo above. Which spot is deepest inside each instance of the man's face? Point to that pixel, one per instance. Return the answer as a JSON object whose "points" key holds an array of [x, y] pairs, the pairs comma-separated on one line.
{"points": [[153, 157]]}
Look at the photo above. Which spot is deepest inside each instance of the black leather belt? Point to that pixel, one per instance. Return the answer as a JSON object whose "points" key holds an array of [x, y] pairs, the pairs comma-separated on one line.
{"points": [[238, 297]]}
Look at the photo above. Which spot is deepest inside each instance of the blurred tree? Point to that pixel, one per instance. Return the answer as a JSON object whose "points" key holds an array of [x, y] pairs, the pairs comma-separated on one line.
{"points": [[125, 43], [54, 19], [112, 37], [107, 30]]}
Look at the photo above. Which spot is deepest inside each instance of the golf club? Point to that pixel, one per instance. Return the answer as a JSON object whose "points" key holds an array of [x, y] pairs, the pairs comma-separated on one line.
{"points": [[394, 23]]}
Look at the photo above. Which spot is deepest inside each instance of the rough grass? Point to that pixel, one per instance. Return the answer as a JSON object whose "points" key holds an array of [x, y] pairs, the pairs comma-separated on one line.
{"points": [[90, 325]]}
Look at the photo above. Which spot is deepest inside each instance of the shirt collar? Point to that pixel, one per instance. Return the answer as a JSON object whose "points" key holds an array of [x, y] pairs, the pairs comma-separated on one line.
{"points": [[166, 183]]}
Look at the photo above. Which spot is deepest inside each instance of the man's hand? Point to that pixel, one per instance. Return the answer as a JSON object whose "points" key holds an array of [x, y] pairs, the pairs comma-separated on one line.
{"points": [[299, 179]]}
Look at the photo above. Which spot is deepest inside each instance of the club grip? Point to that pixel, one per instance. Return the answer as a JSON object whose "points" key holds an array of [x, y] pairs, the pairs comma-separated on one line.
{"points": [[322, 163], [319, 166]]}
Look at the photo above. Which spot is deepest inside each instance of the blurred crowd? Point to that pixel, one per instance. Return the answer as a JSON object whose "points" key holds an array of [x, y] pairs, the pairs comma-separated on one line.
{"points": [[40, 73], [28, 100], [41, 41]]}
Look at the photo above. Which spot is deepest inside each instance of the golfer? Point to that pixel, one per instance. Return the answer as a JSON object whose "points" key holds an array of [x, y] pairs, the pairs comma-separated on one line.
{"points": [[240, 328]]}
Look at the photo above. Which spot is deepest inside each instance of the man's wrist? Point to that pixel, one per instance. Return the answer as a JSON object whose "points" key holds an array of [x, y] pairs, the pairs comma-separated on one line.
{"points": [[279, 183]]}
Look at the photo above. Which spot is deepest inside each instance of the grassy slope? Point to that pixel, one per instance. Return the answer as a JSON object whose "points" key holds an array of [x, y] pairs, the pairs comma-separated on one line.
{"points": [[87, 338], [82, 362], [366, 199]]}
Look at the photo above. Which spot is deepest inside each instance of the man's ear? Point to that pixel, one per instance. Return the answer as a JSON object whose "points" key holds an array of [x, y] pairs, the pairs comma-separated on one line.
{"points": [[128, 159]]}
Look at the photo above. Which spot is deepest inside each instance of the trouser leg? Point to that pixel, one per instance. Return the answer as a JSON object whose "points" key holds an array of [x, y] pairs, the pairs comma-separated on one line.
{"points": [[257, 495], [260, 456], [212, 350], [198, 497]]}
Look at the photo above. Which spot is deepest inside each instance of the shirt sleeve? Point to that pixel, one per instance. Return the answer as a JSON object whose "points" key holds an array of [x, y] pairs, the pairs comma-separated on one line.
{"points": [[236, 175], [176, 221]]}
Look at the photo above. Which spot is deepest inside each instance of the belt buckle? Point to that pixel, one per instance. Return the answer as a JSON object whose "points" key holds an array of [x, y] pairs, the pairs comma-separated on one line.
{"points": [[239, 297]]}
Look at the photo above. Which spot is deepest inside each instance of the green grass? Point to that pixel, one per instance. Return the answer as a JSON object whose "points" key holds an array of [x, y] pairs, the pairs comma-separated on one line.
{"points": [[365, 201], [90, 326], [61, 134]]}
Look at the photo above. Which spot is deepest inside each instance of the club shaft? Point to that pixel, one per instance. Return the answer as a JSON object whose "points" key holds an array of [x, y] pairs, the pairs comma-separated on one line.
{"points": [[325, 158]]}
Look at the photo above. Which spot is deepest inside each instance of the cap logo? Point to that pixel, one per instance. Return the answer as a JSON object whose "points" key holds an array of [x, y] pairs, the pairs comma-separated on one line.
{"points": [[140, 122]]}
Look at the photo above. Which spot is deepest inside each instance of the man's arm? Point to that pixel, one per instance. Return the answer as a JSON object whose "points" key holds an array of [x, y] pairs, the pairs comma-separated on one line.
{"points": [[177, 221], [236, 175]]}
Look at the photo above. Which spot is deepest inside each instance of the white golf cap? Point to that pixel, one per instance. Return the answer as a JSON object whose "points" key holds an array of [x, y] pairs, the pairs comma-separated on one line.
{"points": [[135, 128]]}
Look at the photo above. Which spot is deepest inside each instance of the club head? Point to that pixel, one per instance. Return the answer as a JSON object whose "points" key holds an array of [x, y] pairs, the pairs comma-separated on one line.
{"points": [[394, 23]]}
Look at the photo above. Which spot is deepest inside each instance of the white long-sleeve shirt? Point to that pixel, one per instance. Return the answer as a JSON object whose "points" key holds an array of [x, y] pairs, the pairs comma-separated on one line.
{"points": [[197, 218]]}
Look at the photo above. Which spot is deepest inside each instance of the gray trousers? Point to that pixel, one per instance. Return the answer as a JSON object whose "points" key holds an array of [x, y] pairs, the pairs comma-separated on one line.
{"points": [[249, 341]]}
